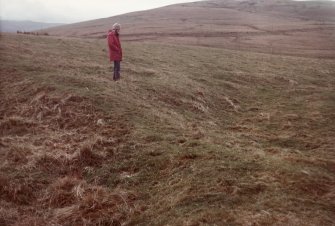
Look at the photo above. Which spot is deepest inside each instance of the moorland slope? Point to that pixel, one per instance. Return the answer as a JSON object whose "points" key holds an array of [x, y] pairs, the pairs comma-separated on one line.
{"points": [[194, 136], [276, 26]]}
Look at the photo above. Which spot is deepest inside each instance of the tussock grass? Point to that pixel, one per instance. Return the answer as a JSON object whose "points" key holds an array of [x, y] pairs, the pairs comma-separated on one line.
{"points": [[198, 136], [16, 125]]}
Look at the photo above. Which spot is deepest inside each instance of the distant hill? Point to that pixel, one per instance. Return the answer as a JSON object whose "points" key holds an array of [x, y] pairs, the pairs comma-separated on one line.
{"points": [[277, 26], [13, 26]]}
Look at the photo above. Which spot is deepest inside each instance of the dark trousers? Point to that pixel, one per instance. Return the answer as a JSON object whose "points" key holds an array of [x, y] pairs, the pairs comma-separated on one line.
{"points": [[117, 68]]}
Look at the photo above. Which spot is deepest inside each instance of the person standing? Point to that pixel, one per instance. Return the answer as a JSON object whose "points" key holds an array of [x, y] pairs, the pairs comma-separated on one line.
{"points": [[115, 50]]}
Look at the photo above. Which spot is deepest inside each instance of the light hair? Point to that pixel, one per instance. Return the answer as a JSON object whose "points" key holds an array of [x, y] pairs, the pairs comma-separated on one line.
{"points": [[116, 26]]}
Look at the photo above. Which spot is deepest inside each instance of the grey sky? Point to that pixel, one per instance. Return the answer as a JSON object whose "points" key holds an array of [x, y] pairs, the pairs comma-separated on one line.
{"points": [[70, 11]]}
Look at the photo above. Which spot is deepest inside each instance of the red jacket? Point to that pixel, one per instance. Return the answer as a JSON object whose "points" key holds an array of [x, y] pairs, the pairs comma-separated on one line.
{"points": [[115, 50]]}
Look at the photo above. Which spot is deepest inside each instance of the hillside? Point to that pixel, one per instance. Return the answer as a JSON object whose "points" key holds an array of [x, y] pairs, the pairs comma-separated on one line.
{"points": [[14, 26], [194, 136], [275, 26]]}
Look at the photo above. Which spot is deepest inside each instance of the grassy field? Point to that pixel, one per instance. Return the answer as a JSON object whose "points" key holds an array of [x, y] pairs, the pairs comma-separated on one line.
{"points": [[188, 136]]}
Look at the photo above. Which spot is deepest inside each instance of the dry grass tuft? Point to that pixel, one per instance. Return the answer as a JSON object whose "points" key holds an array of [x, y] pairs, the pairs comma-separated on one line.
{"points": [[8, 213], [16, 125], [74, 202], [19, 191], [88, 157], [17, 155], [31, 220], [51, 164], [63, 192]]}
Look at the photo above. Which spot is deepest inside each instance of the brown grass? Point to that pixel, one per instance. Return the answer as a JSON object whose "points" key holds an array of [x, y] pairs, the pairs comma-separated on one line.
{"points": [[206, 136], [75, 202], [55, 191], [48, 140], [20, 191]]}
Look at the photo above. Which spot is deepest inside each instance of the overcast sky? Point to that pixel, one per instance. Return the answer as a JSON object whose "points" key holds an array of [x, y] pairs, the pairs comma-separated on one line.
{"points": [[70, 11]]}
